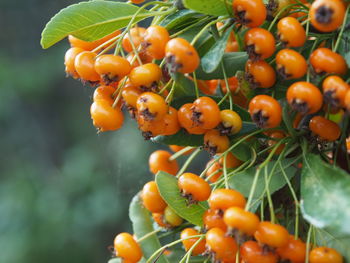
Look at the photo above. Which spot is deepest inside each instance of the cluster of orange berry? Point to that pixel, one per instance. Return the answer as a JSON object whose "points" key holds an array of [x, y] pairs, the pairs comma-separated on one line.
{"points": [[228, 227], [140, 75]]}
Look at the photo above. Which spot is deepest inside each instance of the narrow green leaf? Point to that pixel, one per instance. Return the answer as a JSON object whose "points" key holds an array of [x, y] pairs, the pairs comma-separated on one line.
{"points": [[88, 21], [168, 189], [183, 86], [233, 62], [142, 225], [209, 7], [347, 59], [211, 60], [179, 18], [242, 151], [341, 243], [243, 181], [325, 195], [177, 254]]}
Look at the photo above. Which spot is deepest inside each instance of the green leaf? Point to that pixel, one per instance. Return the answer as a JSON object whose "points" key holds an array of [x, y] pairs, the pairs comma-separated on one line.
{"points": [[180, 18], [177, 254], [242, 151], [168, 189], [233, 62], [242, 181], [325, 195], [341, 243], [88, 21], [209, 7], [347, 59], [183, 86], [211, 60], [142, 225]]}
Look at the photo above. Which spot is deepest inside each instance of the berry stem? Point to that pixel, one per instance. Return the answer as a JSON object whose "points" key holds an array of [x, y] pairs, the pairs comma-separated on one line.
{"points": [[188, 254], [268, 194], [341, 30], [195, 84], [206, 18], [180, 153], [136, 53], [170, 245], [308, 243], [188, 161], [205, 29], [225, 172], [148, 235], [228, 91], [171, 93]]}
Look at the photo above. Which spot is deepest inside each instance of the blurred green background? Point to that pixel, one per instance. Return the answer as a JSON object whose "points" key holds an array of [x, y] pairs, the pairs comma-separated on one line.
{"points": [[64, 190]]}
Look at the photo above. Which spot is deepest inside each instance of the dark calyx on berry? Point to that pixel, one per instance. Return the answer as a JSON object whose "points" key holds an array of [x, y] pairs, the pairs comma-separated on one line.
{"points": [[324, 15], [259, 119], [300, 106], [252, 54]]}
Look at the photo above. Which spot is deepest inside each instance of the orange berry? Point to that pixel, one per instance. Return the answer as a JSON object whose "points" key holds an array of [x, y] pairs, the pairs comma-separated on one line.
{"points": [[260, 74], [225, 198], [69, 59], [271, 234], [104, 93], [159, 161], [105, 117], [188, 243], [112, 68], [260, 43], [325, 60], [327, 15], [251, 252], [151, 198], [127, 248], [294, 251], [225, 248], [244, 221], [155, 39], [84, 64], [325, 255], [135, 36], [291, 32], [145, 76], [212, 219], [194, 187], [215, 143], [251, 13], [151, 106], [325, 129], [265, 111]]}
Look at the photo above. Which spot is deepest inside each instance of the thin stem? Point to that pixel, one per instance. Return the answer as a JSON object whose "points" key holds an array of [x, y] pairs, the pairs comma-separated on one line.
{"points": [[296, 230], [252, 189], [225, 172], [188, 254], [205, 28], [268, 194], [106, 43], [166, 86], [171, 93], [188, 161], [136, 53], [189, 27], [148, 235], [170, 245], [308, 243], [195, 84], [228, 91], [278, 15], [341, 30], [180, 153]]}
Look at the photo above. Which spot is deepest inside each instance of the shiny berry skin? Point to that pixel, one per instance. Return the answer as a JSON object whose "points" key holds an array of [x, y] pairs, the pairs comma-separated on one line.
{"points": [[260, 74], [208, 87], [159, 161], [135, 35], [247, 14], [325, 129], [88, 46], [294, 251], [252, 252], [171, 122], [151, 106], [127, 248], [213, 218], [304, 97], [105, 117], [231, 122], [260, 43], [225, 198], [215, 143], [327, 15], [181, 55], [324, 60], [325, 255], [69, 59], [334, 91], [130, 95], [188, 243], [185, 115], [104, 93], [271, 234], [225, 248], [275, 137], [84, 64], [290, 64], [155, 40], [206, 113], [137, 1], [150, 128], [171, 217], [145, 75], [151, 198], [244, 221], [194, 186], [265, 111], [291, 32], [112, 68]]}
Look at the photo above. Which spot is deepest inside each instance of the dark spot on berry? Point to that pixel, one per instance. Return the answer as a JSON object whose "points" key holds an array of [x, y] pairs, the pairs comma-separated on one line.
{"points": [[149, 116], [324, 15], [300, 106], [259, 119], [109, 78], [330, 97], [224, 130], [282, 72], [252, 54], [242, 18]]}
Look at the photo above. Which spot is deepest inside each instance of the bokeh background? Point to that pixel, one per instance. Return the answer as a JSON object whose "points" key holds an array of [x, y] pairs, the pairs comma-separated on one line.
{"points": [[64, 190]]}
